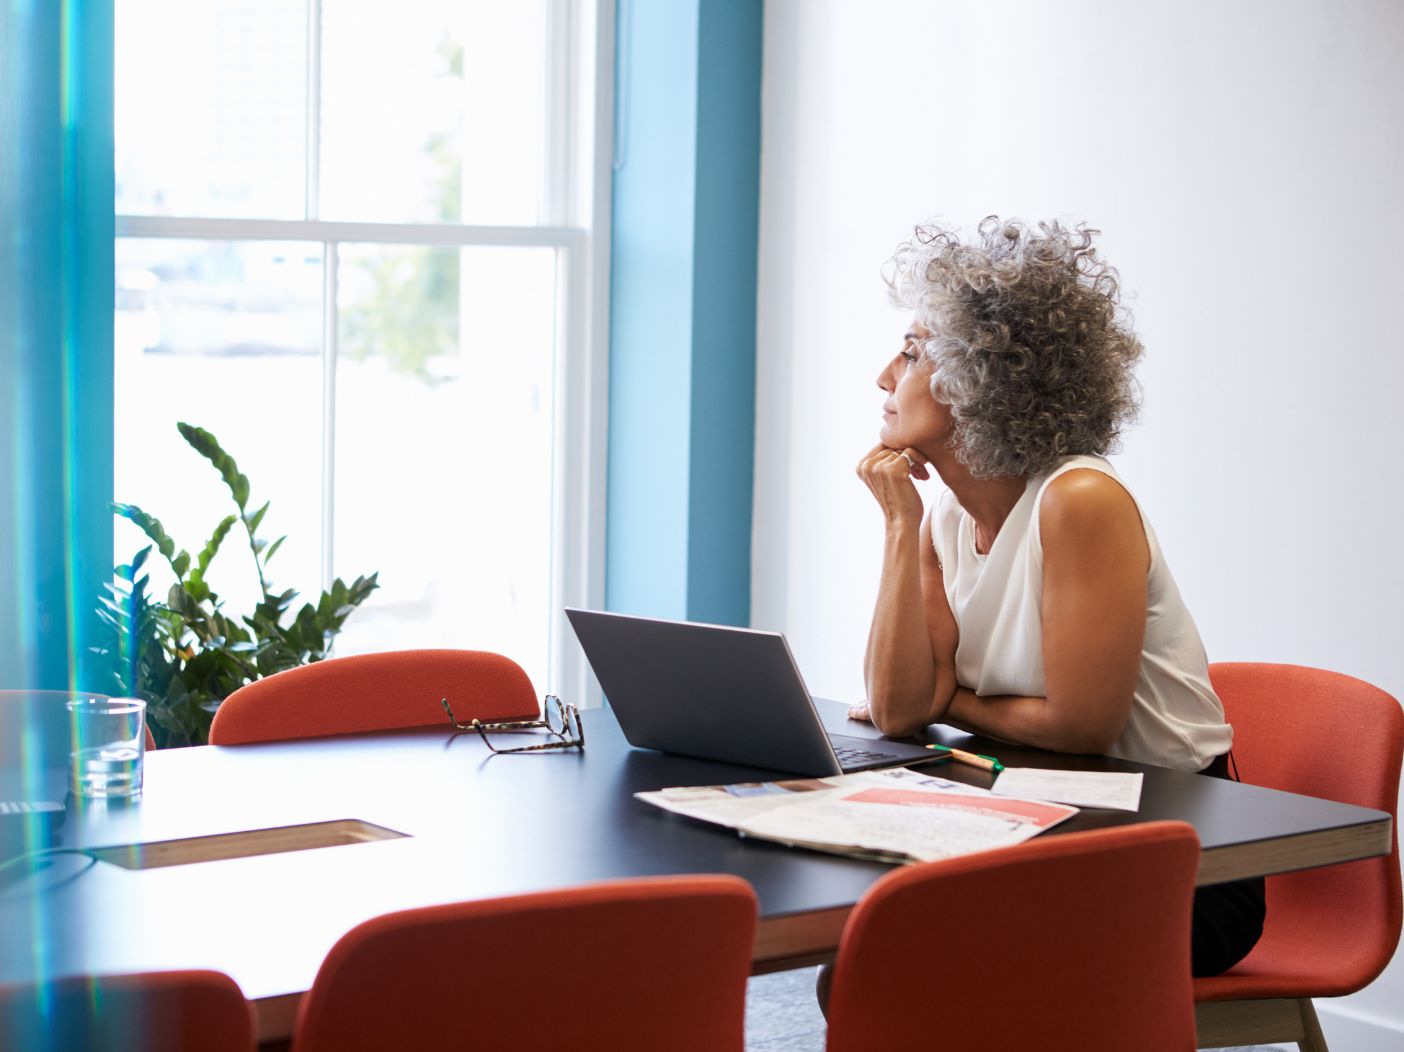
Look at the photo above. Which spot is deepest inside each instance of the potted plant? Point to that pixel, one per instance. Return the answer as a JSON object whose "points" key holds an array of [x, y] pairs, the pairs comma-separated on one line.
{"points": [[187, 654]]}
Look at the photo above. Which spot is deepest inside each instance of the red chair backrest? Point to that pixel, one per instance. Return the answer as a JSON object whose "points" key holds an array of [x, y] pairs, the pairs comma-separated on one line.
{"points": [[1328, 735], [194, 1011], [375, 692], [659, 963], [1070, 942]]}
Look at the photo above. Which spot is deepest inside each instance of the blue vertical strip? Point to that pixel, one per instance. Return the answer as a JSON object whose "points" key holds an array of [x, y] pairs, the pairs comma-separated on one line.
{"points": [[88, 339], [56, 413], [18, 48], [56, 265], [88, 236], [651, 283], [682, 299], [727, 210]]}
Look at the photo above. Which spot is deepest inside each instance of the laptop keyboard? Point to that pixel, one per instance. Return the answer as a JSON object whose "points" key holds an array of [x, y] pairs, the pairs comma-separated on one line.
{"points": [[848, 755]]}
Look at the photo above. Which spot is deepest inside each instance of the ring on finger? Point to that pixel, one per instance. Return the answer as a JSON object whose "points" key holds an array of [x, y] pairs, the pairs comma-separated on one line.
{"points": [[911, 461]]}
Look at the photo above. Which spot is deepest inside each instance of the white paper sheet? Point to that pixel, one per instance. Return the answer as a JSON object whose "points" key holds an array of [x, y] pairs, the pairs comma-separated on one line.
{"points": [[1114, 790]]}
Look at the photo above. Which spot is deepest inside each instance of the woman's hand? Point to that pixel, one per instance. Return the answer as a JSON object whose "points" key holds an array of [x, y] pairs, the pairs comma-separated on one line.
{"points": [[859, 711], [888, 473]]}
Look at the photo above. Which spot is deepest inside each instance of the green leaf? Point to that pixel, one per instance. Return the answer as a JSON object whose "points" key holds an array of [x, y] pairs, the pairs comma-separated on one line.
{"points": [[257, 517], [151, 526], [208, 447], [273, 549], [167, 721], [197, 584], [309, 629], [361, 590], [182, 602]]}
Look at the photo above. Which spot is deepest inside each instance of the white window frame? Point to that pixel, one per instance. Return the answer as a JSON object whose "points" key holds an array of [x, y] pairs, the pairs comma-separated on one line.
{"points": [[576, 223]]}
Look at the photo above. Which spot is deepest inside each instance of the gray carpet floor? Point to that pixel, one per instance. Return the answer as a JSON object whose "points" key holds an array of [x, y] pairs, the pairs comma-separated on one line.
{"points": [[782, 1016]]}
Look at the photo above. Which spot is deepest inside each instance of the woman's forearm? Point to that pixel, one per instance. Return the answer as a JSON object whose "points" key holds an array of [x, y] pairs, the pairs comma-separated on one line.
{"points": [[898, 668], [1027, 721]]}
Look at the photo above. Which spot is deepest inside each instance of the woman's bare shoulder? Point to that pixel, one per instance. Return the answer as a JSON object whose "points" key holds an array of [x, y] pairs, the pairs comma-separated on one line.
{"points": [[1085, 498]]}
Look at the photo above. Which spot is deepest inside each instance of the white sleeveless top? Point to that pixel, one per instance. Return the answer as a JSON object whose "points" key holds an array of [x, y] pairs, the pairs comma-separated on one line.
{"points": [[1176, 719]]}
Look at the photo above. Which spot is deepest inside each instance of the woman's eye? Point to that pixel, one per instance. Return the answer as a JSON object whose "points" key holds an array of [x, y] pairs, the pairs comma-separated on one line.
{"points": [[910, 356]]}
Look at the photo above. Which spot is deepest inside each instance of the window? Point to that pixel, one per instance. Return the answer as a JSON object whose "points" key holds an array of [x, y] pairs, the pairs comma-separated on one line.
{"points": [[361, 243]]}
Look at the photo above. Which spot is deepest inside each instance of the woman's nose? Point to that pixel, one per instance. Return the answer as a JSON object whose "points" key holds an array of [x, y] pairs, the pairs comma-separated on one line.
{"points": [[884, 379]]}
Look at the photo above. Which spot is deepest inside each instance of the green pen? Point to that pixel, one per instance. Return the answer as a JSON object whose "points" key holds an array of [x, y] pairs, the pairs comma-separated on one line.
{"points": [[986, 763]]}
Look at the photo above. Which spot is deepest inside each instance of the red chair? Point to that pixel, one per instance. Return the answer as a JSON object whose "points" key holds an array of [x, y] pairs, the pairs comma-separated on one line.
{"points": [[650, 964], [375, 692], [1071, 943], [1329, 931], [194, 1011]]}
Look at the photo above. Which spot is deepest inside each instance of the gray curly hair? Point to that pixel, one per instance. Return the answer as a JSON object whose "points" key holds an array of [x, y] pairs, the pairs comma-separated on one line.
{"points": [[1030, 345]]}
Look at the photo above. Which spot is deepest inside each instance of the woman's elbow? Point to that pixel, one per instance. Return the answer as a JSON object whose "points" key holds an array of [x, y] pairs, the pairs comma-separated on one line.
{"points": [[896, 726], [1092, 737], [1091, 743]]}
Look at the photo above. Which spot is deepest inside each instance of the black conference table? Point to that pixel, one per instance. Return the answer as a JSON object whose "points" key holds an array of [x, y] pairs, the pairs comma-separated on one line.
{"points": [[235, 881]]}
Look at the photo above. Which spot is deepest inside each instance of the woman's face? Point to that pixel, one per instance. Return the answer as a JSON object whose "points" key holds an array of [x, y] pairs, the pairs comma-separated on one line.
{"points": [[911, 417]]}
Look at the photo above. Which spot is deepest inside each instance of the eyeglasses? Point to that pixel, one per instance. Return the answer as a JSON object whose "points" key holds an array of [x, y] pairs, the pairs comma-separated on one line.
{"points": [[565, 727]]}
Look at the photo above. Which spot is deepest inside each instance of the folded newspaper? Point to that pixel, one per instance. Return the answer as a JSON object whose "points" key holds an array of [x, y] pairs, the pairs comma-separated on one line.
{"points": [[895, 815]]}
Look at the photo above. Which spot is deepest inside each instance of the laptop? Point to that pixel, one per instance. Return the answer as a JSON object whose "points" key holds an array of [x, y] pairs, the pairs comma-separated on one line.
{"points": [[720, 693]]}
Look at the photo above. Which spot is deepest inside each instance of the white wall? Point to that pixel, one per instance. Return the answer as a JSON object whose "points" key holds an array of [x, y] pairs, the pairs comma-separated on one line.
{"points": [[1245, 162]]}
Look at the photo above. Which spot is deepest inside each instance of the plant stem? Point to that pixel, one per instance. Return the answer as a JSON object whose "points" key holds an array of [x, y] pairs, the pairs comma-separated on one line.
{"points": [[258, 563]]}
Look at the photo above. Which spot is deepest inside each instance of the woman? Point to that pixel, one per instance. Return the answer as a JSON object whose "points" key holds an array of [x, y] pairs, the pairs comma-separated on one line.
{"points": [[1031, 603]]}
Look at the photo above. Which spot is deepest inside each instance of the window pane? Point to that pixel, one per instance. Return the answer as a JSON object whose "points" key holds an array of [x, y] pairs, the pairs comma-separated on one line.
{"points": [[210, 107], [444, 441], [226, 336], [433, 110]]}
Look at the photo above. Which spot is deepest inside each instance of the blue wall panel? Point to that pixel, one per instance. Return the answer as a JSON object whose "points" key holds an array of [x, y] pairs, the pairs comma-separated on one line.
{"points": [[682, 342], [722, 435]]}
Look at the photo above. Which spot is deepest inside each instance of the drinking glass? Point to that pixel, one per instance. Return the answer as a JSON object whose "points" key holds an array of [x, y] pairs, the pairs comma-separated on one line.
{"points": [[108, 745]]}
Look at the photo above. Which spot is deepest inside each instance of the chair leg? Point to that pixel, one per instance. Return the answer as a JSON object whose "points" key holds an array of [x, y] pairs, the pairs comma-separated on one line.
{"points": [[1313, 1040], [822, 982], [1257, 1021]]}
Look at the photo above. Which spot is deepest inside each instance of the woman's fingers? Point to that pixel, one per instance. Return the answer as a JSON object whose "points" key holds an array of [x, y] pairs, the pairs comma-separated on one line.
{"points": [[907, 462], [909, 454], [888, 474], [869, 457], [915, 462], [860, 712]]}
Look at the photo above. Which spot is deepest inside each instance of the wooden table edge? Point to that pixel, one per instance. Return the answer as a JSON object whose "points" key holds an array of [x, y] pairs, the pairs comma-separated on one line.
{"points": [[274, 1016], [1285, 854]]}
